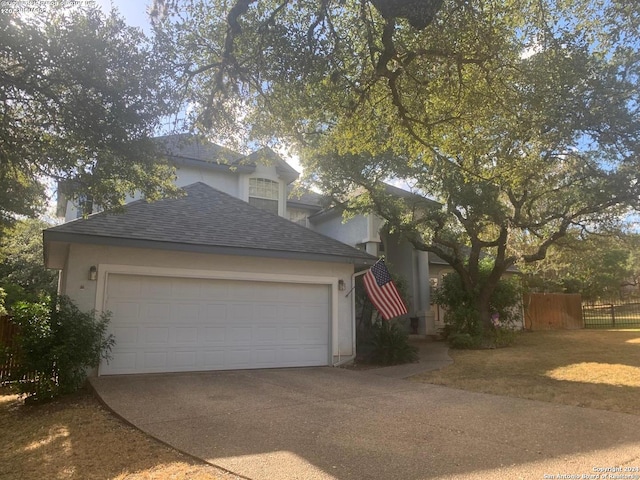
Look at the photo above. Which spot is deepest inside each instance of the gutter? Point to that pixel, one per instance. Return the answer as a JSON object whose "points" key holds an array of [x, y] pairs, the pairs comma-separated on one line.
{"points": [[353, 321]]}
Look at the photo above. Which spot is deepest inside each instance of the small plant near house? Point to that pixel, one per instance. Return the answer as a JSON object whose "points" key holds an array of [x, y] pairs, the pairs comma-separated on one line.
{"points": [[464, 328], [381, 342], [391, 344], [55, 346]]}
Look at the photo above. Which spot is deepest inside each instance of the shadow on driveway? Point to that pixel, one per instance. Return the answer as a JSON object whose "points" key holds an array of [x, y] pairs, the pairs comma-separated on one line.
{"points": [[329, 423]]}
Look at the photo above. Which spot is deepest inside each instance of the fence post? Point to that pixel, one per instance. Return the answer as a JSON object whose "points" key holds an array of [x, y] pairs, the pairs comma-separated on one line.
{"points": [[613, 314]]}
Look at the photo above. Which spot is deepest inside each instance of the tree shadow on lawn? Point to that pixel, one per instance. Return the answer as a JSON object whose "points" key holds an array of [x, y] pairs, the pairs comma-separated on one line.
{"points": [[73, 437], [585, 368]]}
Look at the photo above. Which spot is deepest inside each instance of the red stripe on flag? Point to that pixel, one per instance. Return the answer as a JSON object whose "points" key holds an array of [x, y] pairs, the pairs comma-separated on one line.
{"points": [[386, 299]]}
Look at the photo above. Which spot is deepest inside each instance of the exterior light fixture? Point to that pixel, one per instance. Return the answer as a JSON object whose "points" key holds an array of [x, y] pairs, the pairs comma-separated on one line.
{"points": [[93, 273], [341, 285]]}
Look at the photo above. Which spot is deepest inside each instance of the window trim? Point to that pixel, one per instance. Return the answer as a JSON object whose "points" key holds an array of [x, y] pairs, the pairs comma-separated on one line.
{"points": [[263, 188]]}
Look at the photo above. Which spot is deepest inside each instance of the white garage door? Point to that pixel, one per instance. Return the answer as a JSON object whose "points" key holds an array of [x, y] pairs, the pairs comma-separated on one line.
{"points": [[166, 324]]}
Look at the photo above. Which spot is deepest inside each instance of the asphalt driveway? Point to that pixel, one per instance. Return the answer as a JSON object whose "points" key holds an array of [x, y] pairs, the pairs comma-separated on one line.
{"points": [[330, 423]]}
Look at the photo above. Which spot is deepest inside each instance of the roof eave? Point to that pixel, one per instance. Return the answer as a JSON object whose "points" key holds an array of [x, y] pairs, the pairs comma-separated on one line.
{"points": [[212, 165], [62, 237]]}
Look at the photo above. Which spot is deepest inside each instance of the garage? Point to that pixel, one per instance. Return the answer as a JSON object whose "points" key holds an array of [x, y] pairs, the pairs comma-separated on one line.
{"points": [[175, 324], [207, 281]]}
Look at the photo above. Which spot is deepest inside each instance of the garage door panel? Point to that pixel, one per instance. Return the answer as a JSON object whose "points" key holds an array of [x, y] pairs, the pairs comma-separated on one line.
{"points": [[214, 291], [214, 335], [184, 312], [186, 335], [125, 310], [186, 359], [156, 335], [126, 287], [153, 288], [155, 312], [176, 324], [266, 334], [213, 312]]}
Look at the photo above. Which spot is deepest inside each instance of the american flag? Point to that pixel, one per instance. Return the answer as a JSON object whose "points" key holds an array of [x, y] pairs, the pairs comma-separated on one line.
{"points": [[382, 292]]}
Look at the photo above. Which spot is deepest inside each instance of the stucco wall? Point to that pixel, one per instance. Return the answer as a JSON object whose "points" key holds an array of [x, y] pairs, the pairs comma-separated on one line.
{"points": [[351, 232], [81, 257], [400, 260], [225, 182]]}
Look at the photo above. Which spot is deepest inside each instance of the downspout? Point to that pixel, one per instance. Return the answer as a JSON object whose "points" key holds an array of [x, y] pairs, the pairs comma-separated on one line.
{"points": [[353, 320]]}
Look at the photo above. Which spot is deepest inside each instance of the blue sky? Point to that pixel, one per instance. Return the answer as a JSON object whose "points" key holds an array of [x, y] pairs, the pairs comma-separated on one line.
{"points": [[134, 11]]}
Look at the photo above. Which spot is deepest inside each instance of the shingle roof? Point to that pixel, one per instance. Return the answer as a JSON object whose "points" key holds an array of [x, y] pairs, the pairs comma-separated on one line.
{"points": [[190, 149], [206, 220], [303, 197]]}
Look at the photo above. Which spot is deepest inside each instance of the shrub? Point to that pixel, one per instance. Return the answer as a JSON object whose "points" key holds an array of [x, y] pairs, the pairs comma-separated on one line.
{"points": [[464, 341], [464, 328], [58, 343], [391, 344], [3, 296]]}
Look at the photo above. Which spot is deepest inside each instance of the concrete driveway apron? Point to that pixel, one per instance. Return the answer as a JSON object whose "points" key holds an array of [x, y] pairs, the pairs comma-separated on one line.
{"points": [[330, 423]]}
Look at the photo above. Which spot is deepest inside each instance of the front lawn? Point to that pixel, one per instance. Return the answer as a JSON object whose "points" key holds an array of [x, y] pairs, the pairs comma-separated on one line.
{"points": [[586, 368], [75, 438]]}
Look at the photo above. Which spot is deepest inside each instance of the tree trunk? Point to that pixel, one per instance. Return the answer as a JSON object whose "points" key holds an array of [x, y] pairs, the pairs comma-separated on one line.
{"points": [[484, 310]]}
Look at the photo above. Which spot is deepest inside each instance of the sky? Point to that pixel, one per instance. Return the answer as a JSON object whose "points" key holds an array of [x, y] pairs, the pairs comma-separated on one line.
{"points": [[134, 11]]}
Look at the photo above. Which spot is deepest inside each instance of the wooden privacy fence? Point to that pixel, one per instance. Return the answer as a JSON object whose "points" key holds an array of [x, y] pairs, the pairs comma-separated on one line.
{"points": [[552, 311]]}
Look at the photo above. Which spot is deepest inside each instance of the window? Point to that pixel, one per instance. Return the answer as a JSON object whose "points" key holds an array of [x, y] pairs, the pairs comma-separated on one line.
{"points": [[84, 206], [264, 194]]}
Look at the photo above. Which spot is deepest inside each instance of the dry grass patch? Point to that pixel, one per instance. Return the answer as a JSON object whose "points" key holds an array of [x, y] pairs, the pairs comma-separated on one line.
{"points": [[75, 438], [586, 368]]}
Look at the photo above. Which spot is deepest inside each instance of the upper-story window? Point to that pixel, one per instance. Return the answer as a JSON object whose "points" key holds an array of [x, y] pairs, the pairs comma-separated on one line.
{"points": [[84, 206], [264, 194]]}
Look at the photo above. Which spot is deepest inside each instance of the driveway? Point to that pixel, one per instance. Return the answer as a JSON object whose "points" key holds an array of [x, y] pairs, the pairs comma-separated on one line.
{"points": [[331, 423]]}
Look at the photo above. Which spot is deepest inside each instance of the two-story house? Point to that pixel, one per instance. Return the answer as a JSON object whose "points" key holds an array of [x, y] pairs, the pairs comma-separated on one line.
{"points": [[238, 273]]}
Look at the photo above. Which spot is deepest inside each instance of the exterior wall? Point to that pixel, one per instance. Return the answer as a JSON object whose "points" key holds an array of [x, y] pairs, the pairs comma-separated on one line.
{"points": [[413, 267], [299, 215], [352, 232], [225, 182], [86, 295]]}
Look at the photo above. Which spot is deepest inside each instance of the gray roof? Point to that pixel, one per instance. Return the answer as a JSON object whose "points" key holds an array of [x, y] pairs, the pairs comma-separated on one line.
{"points": [[209, 221], [304, 198], [412, 199], [187, 149]]}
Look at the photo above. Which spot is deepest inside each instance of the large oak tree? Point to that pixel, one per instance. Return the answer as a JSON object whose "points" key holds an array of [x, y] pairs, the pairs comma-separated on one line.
{"points": [[520, 117], [81, 94]]}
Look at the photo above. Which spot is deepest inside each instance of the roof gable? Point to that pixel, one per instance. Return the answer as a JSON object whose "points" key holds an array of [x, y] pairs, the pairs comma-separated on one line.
{"points": [[206, 220], [186, 149]]}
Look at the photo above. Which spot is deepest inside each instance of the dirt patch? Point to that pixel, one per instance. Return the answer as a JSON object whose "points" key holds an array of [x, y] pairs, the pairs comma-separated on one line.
{"points": [[75, 438]]}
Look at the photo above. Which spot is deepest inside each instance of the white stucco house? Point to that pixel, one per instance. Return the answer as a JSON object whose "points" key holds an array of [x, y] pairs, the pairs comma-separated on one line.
{"points": [[236, 274]]}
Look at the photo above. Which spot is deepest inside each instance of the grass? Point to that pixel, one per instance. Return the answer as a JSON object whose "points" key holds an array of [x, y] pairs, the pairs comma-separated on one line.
{"points": [[585, 368], [75, 438]]}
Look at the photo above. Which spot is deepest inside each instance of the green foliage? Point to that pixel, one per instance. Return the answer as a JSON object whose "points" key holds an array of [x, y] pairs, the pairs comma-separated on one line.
{"points": [[463, 341], [81, 95], [464, 325], [58, 343], [3, 296], [390, 344], [22, 272], [519, 117], [597, 266]]}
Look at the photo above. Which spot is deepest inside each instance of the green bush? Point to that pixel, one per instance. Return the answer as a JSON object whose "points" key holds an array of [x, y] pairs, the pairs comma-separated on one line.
{"points": [[464, 328], [390, 344], [464, 341], [58, 343], [3, 296]]}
